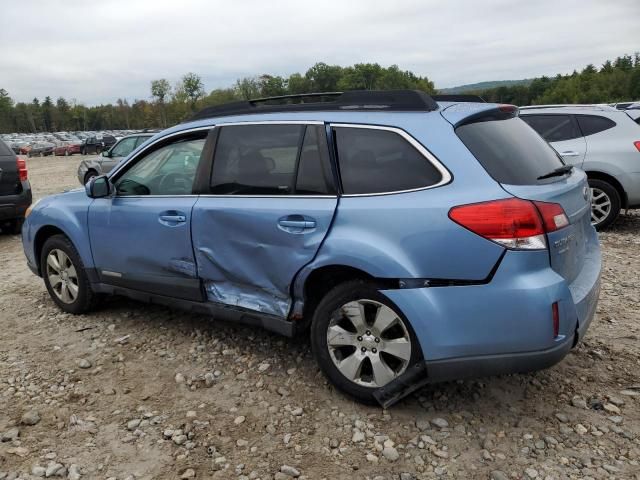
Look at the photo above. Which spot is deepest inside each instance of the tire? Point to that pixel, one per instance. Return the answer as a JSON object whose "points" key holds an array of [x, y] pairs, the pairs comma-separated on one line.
{"points": [[15, 226], [605, 203], [365, 346], [89, 175], [66, 257]]}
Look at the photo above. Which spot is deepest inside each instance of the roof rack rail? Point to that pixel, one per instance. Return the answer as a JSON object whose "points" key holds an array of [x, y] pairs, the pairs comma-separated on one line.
{"points": [[369, 100], [459, 98], [569, 105]]}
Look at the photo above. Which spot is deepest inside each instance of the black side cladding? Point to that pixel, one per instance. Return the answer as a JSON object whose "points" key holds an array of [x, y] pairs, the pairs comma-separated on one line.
{"points": [[374, 100]]}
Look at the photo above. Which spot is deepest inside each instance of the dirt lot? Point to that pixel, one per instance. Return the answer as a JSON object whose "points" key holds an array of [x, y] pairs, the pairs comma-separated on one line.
{"points": [[142, 392]]}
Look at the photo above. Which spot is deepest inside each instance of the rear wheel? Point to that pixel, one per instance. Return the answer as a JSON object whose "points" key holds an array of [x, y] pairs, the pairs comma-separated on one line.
{"points": [[64, 276], [605, 203], [361, 340]]}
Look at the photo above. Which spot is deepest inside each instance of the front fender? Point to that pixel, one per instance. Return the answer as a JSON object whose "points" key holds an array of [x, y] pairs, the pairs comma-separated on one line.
{"points": [[66, 213]]}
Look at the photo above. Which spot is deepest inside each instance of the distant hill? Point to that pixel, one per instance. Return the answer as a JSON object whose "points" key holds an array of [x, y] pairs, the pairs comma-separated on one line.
{"points": [[484, 86]]}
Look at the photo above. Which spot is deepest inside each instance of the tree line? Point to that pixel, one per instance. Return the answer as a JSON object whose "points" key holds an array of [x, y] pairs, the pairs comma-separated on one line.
{"points": [[168, 104]]}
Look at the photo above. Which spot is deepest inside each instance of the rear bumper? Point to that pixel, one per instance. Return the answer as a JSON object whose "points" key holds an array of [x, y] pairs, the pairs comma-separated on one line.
{"points": [[487, 365], [505, 325], [14, 206]]}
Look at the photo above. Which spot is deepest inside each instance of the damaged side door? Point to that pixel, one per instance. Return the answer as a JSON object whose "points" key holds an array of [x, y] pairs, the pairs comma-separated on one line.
{"points": [[270, 203]]}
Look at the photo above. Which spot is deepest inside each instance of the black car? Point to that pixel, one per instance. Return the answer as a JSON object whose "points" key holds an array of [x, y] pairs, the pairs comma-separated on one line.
{"points": [[91, 145], [108, 141], [15, 190]]}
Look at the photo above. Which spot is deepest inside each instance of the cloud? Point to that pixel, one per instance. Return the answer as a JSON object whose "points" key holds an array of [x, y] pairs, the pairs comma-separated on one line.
{"points": [[98, 52]]}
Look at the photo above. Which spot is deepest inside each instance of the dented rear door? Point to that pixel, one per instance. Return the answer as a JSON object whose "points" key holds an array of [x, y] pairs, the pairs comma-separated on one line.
{"points": [[271, 203]]}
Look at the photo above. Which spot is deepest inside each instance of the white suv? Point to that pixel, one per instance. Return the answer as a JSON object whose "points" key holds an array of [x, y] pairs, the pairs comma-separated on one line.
{"points": [[601, 140]]}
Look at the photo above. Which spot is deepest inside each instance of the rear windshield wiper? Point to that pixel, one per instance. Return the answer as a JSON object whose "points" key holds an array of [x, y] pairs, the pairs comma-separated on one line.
{"points": [[557, 172]]}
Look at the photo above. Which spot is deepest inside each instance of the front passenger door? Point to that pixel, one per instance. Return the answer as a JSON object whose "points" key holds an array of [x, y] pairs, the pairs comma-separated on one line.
{"points": [[141, 238]]}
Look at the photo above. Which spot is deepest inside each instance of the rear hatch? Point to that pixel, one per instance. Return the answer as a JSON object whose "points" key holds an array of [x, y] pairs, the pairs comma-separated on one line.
{"points": [[9, 179], [527, 167]]}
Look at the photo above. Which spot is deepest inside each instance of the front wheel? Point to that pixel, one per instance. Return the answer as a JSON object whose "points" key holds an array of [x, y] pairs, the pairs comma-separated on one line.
{"points": [[89, 175], [605, 203], [64, 276], [361, 340]]}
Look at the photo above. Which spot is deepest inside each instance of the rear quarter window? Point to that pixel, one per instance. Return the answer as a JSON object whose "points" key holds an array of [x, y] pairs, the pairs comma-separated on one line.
{"points": [[510, 151], [592, 124], [381, 161]]}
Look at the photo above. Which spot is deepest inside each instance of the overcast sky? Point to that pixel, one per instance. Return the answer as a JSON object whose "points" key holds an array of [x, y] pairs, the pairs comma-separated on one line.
{"points": [[98, 50]]}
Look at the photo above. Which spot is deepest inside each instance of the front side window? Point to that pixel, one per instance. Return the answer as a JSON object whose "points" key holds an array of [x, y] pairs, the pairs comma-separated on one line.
{"points": [[553, 128], [169, 170], [381, 161], [124, 147], [271, 160]]}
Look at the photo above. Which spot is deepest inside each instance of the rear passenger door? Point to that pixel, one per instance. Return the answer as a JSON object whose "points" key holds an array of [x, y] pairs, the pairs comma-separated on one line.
{"points": [[562, 133], [270, 202]]}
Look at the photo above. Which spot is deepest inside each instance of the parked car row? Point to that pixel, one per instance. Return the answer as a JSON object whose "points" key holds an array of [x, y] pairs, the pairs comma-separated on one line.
{"points": [[62, 143]]}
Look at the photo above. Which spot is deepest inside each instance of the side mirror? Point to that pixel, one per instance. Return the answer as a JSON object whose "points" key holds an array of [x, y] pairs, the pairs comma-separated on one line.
{"points": [[98, 187], [106, 153]]}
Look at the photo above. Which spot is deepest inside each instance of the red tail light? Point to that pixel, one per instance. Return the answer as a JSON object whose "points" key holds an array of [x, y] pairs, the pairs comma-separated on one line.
{"points": [[556, 319], [514, 223], [22, 169], [637, 144], [553, 216]]}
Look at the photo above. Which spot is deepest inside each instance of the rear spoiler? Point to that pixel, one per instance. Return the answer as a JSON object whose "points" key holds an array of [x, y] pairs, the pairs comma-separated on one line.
{"points": [[462, 114]]}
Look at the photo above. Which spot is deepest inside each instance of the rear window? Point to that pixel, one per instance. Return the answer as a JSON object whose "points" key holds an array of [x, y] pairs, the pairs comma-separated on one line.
{"points": [[510, 151], [381, 161], [592, 124], [5, 150]]}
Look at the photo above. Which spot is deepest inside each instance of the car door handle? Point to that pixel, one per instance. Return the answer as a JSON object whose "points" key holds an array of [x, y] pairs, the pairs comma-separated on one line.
{"points": [[298, 223], [173, 218], [570, 153]]}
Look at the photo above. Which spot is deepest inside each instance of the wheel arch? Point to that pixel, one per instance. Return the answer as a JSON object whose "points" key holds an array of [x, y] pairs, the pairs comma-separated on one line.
{"points": [[605, 177], [41, 236]]}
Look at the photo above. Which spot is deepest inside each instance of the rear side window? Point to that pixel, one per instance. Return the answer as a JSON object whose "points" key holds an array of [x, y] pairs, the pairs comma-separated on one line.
{"points": [[510, 151], [592, 124], [381, 161], [553, 128], [272, 160]]}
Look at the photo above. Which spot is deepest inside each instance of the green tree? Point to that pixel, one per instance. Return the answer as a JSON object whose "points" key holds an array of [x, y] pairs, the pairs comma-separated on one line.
{"points": [[193, 88], [160, 90]]}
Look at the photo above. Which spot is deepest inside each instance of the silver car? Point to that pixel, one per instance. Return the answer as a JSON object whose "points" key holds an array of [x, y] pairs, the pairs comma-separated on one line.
{"points": [[94, 166], [604, 142]]}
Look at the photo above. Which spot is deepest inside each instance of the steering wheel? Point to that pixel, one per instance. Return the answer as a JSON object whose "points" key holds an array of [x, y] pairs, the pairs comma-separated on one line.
{"points": [[169, 181]]}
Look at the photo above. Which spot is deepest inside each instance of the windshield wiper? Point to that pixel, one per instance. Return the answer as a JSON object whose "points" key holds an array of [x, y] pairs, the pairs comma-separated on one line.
{"points": [[557, 172]]}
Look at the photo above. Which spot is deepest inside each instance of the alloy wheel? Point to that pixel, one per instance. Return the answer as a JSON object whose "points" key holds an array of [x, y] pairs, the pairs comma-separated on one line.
{"points": [[62, 276], [600, 206], [368, 343]]}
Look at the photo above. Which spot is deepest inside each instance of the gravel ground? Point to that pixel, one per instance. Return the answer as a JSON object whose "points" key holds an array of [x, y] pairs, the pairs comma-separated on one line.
{"points": [[140, 392]]}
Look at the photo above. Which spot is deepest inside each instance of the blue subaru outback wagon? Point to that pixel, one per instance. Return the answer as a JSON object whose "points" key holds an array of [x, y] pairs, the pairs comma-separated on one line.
{"points": [[415, 239]]}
